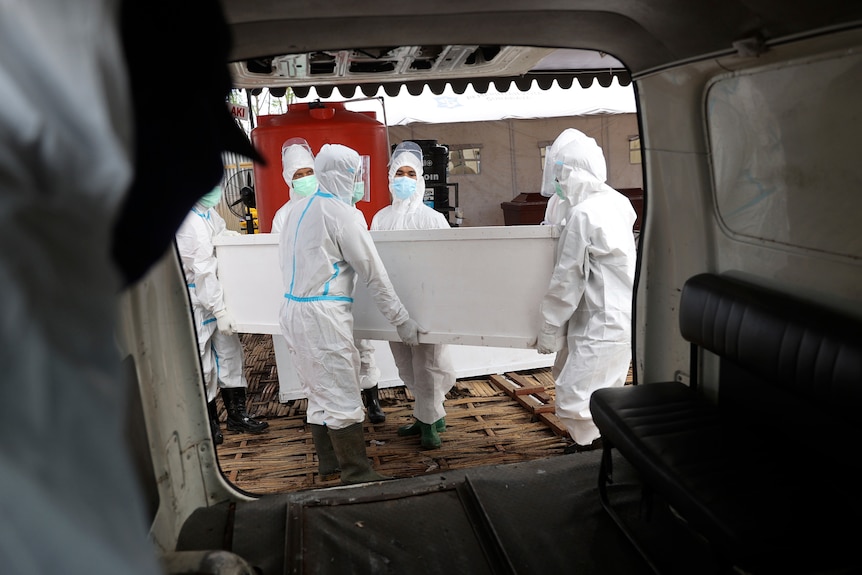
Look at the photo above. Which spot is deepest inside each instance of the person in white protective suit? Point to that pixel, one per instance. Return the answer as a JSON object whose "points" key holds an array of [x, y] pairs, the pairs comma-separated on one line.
{"points": [[297, 163], [325, 245], [426, 369], [590, 288], [218, 343], [555, 211]]}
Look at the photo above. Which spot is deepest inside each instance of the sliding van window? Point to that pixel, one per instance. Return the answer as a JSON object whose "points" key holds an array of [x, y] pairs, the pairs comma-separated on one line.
{"points": [[784, 146]]}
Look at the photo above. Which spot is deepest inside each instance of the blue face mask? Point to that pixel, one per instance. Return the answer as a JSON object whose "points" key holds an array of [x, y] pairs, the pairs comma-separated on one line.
{"points": [[358, 191], [403, 187], [211, 198], [305, 186], [558, 189]]}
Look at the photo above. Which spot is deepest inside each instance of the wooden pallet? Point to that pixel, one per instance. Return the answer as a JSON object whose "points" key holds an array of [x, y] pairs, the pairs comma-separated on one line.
{"points": [[533, 395], [484, 426]]}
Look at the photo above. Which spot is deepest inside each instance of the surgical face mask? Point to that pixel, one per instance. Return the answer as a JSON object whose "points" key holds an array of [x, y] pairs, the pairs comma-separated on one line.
{"points": [[305, 186], [558, 189], [211, 198], [403, 187], [358, 191]]}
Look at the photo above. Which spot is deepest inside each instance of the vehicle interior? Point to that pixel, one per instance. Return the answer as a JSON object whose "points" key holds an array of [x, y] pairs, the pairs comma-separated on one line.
{"points": [[748, 113]]}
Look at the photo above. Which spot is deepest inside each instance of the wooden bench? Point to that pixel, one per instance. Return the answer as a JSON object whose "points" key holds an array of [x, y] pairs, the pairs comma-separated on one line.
{"points": [[769, 474]]}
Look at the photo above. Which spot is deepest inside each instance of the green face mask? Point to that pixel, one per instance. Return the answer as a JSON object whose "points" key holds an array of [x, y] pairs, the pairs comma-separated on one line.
{"points": [[305, 186], [211, 198], [358, 191], [558, 189]]}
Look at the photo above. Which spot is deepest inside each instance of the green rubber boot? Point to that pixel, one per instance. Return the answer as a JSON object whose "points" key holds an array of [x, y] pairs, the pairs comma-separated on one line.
{"points": [[327, 461], [413, 428], [430, 439], [349, 445]]}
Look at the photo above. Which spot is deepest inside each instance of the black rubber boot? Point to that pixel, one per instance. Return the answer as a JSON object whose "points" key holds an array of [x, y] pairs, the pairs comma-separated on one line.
{"points": [[349, 445], [327, 461], [414, 429], [372, 403], [577, 448], [237, 418], [212, 410]]}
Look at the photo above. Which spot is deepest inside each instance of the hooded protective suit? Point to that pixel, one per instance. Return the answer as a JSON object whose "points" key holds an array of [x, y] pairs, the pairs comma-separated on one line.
{"points": [[325, 245], [218, 343], [410, 213], [555, 212], [295, 155], [426, 369], [591, 286]]}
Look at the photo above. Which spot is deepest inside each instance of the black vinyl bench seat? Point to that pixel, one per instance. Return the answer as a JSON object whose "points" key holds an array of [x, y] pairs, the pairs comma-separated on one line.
{"points": [[768, 474]]}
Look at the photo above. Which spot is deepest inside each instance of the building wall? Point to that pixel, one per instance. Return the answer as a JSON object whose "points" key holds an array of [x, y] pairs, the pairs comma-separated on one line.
{"points": [[511, 156]]}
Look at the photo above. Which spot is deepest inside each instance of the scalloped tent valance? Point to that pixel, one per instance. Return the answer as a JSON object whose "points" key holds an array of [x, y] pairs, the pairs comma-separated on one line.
{"points": [[523, 83]]}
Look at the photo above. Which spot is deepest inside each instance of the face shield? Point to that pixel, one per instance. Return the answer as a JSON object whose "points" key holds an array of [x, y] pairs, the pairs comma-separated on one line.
{"points": [[406, 154], [549, 188], [361, 187]]}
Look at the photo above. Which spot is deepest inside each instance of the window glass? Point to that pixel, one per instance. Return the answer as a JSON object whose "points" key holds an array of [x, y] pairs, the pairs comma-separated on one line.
{"points": [[634, 149], [782, 144], [465, 159]]}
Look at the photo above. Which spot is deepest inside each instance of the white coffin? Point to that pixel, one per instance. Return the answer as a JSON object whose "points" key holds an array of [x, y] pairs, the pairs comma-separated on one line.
{"points": [[477, 288], [467, 360]]}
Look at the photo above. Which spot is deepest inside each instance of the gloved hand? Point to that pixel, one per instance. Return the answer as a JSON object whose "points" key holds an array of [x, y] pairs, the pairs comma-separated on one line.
{"points": [[226, 323], [230, 233], [409, 332], [546, 341]]}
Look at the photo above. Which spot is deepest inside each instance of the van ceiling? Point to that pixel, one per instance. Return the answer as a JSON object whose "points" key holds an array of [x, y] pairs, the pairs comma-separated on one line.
{"points": [[378, 42]]}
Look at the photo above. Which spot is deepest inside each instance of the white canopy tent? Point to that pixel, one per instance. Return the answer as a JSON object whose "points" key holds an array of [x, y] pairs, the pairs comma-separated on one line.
{"points": [[471, 106]]}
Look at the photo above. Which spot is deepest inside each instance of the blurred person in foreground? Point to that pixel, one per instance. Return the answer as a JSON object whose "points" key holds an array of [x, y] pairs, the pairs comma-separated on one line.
{"points": [[89, 201]]}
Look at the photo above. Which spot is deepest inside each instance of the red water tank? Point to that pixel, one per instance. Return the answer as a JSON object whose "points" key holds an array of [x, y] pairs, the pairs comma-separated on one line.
{"points": [[319, 123]]}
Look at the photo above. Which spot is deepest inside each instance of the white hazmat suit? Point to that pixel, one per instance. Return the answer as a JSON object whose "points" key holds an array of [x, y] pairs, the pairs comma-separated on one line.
{"points": [[219, 345], [555, 211], [591, 286], [296, 155], [325, 246], [426, 369]]}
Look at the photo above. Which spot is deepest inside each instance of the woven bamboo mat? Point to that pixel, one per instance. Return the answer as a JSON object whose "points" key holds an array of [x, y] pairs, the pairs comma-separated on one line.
{"points": [[492, 420]]}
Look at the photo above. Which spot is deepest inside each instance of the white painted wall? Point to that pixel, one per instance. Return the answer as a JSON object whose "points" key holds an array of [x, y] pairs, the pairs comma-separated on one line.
{"points": [[511, 156]]}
